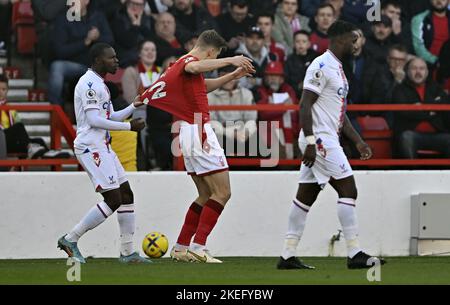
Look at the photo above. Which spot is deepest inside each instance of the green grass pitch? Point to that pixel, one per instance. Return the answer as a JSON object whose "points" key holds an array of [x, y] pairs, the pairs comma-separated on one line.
{"points": [[234, 270]]}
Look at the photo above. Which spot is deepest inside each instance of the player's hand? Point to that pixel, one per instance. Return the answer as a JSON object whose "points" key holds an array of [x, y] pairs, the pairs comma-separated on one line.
{"points": [[240, 72], [137, 101], [242, 61], [137, 124], [364, 150], [309, 157]]}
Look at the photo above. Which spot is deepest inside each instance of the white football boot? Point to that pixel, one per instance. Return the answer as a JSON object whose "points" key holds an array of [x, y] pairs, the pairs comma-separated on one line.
{"points": [[203, 256]]}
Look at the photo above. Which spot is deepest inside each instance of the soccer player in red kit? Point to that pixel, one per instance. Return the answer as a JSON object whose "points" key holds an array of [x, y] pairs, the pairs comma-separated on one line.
{"points": [[181, 91]]}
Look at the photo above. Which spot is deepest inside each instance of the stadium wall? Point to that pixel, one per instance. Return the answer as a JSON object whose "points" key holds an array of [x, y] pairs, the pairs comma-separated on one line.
{"points": [[37, 208]]}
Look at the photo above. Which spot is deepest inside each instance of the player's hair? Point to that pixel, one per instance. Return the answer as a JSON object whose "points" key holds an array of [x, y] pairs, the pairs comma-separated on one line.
{"points": [[394, 3], [268, 15], [211, 38], [398, 47], [302, 32], [97, 50], [3, 79], [340, 28], [324, 5]]}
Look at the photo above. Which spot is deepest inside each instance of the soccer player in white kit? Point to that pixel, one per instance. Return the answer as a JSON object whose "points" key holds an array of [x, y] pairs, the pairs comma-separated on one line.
{"points": [[322, 113], [95, 116]]}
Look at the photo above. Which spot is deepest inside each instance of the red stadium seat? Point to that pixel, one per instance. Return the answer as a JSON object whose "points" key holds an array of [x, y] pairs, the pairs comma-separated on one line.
{"points": [[22, 13], [12, 72], [377, 134]]}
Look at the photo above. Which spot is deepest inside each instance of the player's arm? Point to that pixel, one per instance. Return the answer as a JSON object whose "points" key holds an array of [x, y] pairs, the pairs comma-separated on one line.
{"points": [[95, 120], [307, 101], [215, 83], [123, 114], [349, 131], [208, 65]]}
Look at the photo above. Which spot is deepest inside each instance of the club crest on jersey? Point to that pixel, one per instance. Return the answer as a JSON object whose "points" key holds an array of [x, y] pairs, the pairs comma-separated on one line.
{"points": [[96, 157]]}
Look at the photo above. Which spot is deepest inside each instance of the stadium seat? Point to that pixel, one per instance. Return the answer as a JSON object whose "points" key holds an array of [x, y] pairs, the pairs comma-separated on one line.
{"points": [[12, 72], [23, 26], [37, 95], [377, 134]]}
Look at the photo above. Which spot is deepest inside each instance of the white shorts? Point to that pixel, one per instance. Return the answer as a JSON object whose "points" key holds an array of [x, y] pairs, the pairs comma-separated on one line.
{"points": [[104, 169], [330, 163], [199, 161]]}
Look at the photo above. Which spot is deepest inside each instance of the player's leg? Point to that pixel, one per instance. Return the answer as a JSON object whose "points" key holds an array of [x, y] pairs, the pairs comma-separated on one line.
{"points": [[127, 224], [93, 218], [101, 170], [219, 186], [306, 196], [346, 208], [191, 220]]}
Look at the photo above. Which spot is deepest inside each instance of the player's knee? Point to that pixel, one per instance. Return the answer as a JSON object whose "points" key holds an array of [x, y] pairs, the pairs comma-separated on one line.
{"points": [[127, 197], [349, 193], [306, 199], [223, 194], [113, 199]]}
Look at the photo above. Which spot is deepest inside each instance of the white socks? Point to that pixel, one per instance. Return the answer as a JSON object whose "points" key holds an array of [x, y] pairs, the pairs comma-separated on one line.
{"points": [[127, 224], [296, 225], [96, 215], [196, 247], [347, 216]]}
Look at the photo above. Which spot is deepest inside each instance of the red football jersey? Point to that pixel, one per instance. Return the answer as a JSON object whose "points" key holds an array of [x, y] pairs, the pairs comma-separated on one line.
{"points": [[180, 93]]}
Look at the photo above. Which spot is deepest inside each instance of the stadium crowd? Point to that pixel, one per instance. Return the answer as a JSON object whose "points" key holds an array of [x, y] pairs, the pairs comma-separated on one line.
{"points": [[401, 57]]}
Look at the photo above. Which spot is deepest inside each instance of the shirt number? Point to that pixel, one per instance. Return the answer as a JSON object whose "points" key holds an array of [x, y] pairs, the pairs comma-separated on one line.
{"points": [[159, 86]]}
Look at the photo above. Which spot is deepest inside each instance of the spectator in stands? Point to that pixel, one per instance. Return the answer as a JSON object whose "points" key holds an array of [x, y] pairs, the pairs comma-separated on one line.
{"points": [[324, 18], [416, 130], [45, 12], [287, 22], [253, 47], [130, 26], [401, 28], [214, 7], [338, 5], [159, 6], [71, 42], [297, 63], [443, 73], [167, 43], [379, 40], [384, 78], [160, 135], [430, 30], [356, 70], [232, 126], [257, 7], [189, 44], [276, 91], [17, 139], [308, 8], [265, 22], [235, 23], [139, 77], [355, 11], [5, 21], [191, 18]]}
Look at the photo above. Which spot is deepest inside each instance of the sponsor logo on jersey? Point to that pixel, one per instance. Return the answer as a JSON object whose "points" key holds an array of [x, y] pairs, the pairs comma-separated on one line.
{"points": [[321, 65], [91, 102], [343, 168]]}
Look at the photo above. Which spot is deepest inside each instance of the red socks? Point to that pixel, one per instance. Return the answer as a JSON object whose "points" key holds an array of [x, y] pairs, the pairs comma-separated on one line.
{"points": [[190, 224], [208, 219]]}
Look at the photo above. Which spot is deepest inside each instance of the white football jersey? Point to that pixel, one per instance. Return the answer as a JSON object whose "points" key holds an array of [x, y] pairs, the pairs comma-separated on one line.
{"points": [[325, 76], [91, 93]]}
